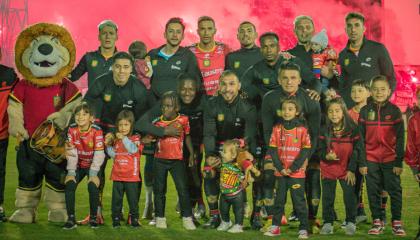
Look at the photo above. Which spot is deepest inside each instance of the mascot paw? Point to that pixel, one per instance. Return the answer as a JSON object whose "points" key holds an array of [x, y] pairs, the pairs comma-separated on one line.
{"points": [[57, 215], [59, 119], [23, 215]]}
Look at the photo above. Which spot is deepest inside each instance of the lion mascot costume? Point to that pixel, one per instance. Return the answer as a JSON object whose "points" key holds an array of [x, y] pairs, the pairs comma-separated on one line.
{"points": [[44, 55]]}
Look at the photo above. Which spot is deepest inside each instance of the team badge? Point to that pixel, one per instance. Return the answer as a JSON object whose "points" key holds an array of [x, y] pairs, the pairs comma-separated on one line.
{"points": [[266, 81], [236, 64], [296, 186], [278, 112], [295, 140], [57, 101], [94, 63], [371, 115], [220, 117], [107, 97], [90, 144], [154, 62], [346, 61], [206, 62]]}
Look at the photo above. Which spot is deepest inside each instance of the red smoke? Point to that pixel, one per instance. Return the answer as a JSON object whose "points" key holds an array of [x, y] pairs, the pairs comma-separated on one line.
{"points": [[145, 20]]}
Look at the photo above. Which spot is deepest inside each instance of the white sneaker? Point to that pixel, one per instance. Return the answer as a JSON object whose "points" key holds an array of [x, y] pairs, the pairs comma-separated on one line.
{"points": [[236, 229], [200, 212], [224, 226], [350, 228], [161, 223], [327, 229], [188, 223], [303, 234], [152, 222]]}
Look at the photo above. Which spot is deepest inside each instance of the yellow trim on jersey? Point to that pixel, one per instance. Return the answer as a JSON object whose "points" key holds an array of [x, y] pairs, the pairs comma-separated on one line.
{"points": [[214, 47], [170, 121], [31, 189], [15, 98], [53, 188], [74, 96]]}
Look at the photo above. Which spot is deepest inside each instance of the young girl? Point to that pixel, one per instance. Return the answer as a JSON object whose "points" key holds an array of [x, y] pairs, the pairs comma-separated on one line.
{"points": [[85, 155], [289, 148], [234, 177], [340, 149], [412, 153], [125, 148], [168, 158]]}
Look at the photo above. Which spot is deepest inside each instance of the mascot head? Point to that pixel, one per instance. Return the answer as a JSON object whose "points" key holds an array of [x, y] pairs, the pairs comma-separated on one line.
{"points": [[44, 54]]}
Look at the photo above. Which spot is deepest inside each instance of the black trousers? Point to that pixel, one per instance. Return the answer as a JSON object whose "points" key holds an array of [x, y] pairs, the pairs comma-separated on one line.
{"points": [[212, 188], [358, 188], [328, 197], [380, 177], [313, 191], [33, 167], [237, 203], [177, 169], [132, 190], [148, 170], [194, 175], [70, 192], [3, 153], [297, 192]]}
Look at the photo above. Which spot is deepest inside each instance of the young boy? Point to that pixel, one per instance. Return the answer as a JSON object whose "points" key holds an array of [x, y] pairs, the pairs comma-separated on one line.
{"points": [[360, 92], [413, 145], [382, 127], [7, 81]]}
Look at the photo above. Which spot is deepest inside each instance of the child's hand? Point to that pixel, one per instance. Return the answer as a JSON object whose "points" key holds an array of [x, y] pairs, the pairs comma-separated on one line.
{"points": [[191, 160], [109, 139], [213, 161], [397, 171], [350, 178], [95, 180], [69, 178], [331, 156], [119, 135], [363, 170], [285, 172], [255, 171], [172, 131]]}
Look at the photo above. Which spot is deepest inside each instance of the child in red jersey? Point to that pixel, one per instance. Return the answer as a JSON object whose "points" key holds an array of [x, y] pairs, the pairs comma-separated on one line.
{"points": [[142, 66], [360, 92], [85, 155], [289, 148], [412, 153], [168, 158], [341, 151], [382, 128], [125, 148]]}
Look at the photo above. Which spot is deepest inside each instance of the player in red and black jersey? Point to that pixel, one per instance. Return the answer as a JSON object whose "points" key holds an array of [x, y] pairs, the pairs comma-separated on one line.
{"points": [[210, 54], [342, 154], [8, 79], [85, 155], [382, 127]]}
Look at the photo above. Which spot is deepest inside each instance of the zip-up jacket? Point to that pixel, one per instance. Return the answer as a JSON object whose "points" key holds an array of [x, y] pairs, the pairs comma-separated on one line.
{"points": [[412, 153], [242, 59]]}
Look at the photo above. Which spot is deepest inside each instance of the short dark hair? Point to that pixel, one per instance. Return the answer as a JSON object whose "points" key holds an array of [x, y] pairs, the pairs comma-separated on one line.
{"points": [[379, 78], [267, 35], [361, 83], [128, 116], [123, 55], [84, 106], [247, 22], [356, 15], [175, 20], [182, 78], [137, 49], [288, 66], [173, 96], [293, 101], [205, 18]]}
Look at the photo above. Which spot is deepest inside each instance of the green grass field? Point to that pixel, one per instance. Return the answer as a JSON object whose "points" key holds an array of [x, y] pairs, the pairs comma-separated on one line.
{"points": [[42, 229]]}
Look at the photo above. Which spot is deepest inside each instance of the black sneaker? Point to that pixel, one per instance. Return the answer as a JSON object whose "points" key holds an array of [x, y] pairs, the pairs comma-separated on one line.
{"points": [[135, 223], [293, 217], [116, 222], [3, 217], [256, 222], [213, 223], [70, 224], [93, 223], [418, 236]]}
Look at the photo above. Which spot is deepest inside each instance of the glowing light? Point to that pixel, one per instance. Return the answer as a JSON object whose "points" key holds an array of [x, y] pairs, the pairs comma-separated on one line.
{"points": [[412, 72], [414, 79]]}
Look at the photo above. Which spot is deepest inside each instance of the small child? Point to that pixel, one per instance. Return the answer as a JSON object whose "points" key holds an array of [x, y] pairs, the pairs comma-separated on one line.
{"points": [[341, 151], [169, 158], [323, 55], [142, 66], [85, 156], [412, 153], [125, 148], [289, 148], [360, 92], [382, 128], [234, 178]]}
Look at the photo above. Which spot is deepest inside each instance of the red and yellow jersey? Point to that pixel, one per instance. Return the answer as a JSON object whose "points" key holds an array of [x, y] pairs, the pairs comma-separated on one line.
{"points": [[354, 115], [289, 143], [126, 166], [7, 80], [86, 143], [211, 64], [39, 103], [169, 147]]}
